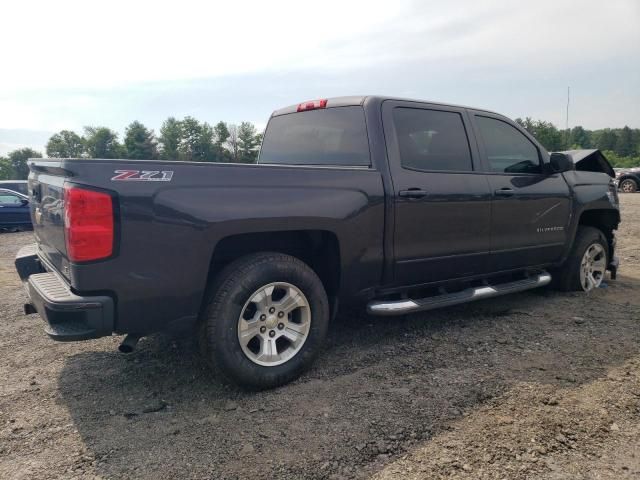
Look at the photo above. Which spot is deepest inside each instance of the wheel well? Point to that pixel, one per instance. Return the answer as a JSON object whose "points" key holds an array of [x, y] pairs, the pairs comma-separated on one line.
{"points": [[603, 219], [317, 248]]}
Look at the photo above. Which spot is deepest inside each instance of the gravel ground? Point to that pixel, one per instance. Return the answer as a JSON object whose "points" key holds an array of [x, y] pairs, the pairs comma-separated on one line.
{"points": [[534, 385]]}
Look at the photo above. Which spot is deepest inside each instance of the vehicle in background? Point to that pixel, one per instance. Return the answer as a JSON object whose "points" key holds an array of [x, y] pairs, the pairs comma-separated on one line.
{"points": [[392, 205], [14, 210], [20, 186], [628, 179]]}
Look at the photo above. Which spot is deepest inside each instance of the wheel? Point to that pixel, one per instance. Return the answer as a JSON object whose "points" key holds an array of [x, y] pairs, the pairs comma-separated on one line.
{"points": [[586, 265], [265, 321], [628, 186]]}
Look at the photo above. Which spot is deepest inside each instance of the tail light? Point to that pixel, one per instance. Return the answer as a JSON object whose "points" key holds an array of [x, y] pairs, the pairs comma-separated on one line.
{"points": [[88, 224], [312, 105]]}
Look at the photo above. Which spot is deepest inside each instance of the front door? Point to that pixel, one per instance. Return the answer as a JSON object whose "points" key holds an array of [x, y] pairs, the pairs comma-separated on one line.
{"points": [[531, 207], [12, 209], [442, 203]]}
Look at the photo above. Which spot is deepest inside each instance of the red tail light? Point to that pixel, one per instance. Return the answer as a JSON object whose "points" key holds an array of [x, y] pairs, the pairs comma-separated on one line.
{"points": [[312, 105], [88, 224]]}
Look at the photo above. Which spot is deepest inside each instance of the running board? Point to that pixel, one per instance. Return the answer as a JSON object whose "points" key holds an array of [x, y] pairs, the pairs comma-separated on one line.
{"points": [[404, 306]]}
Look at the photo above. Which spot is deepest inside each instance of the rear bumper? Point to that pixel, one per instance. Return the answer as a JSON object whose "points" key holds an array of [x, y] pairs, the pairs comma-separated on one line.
{"points": [[69, 317]]}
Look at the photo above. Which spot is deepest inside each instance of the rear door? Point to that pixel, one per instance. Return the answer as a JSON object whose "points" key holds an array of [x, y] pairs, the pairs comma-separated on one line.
{"points": [[530, 207], [442, 202]]}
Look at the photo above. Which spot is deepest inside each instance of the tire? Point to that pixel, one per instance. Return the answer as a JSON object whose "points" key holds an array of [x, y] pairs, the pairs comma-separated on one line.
{"points": [[247, 298], [572, 276], [628, 185]]}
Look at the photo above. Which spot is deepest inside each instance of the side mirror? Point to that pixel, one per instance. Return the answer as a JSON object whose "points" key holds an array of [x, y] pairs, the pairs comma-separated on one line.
{"points": [[560, 162], [24, 202]]}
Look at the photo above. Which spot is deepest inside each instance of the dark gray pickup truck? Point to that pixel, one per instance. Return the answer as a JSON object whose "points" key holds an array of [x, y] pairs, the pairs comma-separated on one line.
{"points": [[397, 205]]}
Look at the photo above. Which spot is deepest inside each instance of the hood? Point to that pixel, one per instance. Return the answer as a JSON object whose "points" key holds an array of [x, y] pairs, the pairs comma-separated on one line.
{"points": [[591, 160]]}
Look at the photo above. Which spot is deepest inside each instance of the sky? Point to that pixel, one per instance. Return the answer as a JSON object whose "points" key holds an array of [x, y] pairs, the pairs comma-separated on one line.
{"points": [[66, 64]]}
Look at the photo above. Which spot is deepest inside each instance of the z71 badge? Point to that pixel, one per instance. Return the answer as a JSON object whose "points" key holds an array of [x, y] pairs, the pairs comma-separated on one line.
{"points": [[142, 176]]}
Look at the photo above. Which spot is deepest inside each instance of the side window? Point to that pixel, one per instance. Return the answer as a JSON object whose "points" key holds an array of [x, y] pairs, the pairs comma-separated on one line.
{"points": [[508, 150], [8, 199], [432, 140]]}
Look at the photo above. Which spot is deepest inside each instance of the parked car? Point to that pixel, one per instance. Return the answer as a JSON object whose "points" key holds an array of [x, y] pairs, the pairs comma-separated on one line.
{"points": [[628, 179], [394, 205], [20, 186], [14, 210]]}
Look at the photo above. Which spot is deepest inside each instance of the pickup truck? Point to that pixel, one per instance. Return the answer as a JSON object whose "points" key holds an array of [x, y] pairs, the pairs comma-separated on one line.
{"points": [[393, 205]]}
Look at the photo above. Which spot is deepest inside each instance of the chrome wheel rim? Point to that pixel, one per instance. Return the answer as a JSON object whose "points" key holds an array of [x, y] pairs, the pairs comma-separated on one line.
{"points": [[274, 324], [627, 186], [593, 267]]}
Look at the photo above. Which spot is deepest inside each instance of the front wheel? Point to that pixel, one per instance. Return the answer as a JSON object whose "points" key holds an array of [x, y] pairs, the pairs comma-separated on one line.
{"points": [[265, 321], [586, 266]]}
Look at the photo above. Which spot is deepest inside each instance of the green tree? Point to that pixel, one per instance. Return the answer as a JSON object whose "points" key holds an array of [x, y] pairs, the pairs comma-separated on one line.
{"points": [[6, 170], [247, 142], [65, 144], [18, 161], [606, 140], [140, 142], [170, 135], [624, 142], [102, 142], [196, 143], [221, 136], [545, 132], [579, 138]]}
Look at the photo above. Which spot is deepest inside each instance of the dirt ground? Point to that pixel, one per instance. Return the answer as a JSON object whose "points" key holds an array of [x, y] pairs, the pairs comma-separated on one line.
{"points": [[534, 385]]}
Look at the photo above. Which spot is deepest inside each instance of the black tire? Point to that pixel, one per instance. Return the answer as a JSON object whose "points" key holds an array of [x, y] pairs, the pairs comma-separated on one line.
{"points": [[628, 185], [227, 297], [567, 278]]}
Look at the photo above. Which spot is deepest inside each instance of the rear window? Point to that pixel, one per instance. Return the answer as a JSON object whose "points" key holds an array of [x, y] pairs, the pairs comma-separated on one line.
{"points": [[332, 136]]}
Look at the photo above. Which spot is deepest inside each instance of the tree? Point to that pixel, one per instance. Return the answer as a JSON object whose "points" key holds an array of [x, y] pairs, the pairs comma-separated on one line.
{"points": [[140, 142], [196, 142], [221, 136], [247, 142], [101, 142], [18, 161], [65, 144], [624, 142], [232, 142], [545, 132], [170, 134], [6, 170], [579, 138], [606, 140]]}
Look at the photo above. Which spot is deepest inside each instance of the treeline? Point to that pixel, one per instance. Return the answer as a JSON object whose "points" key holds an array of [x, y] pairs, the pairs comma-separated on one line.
{"points": [[185, 140], [191, 140], [621, 146]]}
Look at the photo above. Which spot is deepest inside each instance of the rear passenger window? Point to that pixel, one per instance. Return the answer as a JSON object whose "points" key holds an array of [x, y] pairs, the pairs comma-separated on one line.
{"points": [[432, 140], [508, 150]]}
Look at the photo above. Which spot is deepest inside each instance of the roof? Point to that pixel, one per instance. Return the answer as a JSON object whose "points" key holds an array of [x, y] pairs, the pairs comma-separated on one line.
{"points": [[354, 100]]}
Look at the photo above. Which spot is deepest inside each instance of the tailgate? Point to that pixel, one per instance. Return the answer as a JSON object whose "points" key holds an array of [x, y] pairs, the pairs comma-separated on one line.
{"points": [[46, 192]]}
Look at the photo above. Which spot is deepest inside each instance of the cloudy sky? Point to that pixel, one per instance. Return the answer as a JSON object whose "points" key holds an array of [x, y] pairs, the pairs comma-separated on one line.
{"points": [[66, 64]]}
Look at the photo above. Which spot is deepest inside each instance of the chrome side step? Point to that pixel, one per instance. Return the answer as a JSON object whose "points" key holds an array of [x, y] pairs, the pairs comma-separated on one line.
{"points": [[404, 306]]}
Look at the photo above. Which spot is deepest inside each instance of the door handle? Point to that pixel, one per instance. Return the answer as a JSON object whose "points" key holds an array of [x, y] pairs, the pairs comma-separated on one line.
{"points": [[505, 192], [413, 193]]}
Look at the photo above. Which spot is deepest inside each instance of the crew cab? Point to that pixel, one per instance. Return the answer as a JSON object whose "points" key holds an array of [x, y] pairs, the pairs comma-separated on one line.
{"points": [[390, 204]]}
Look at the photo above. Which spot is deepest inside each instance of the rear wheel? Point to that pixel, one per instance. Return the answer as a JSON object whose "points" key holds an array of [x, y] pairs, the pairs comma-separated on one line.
{"points": [[586, 266], [628, 186], [265, 321]]}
